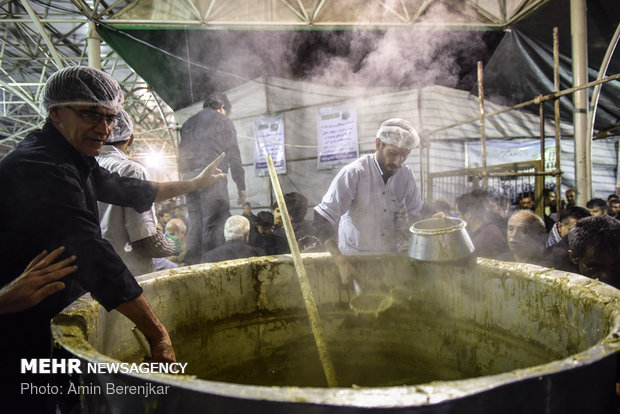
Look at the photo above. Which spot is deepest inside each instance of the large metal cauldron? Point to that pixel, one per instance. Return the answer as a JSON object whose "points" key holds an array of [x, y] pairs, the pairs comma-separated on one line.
{"points": [[485, 338]]}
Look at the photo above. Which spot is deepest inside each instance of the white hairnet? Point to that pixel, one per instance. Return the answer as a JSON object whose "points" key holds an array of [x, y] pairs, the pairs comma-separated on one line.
{"points": [[81, 85], [398, 132], [236, 228], [122, 129]]}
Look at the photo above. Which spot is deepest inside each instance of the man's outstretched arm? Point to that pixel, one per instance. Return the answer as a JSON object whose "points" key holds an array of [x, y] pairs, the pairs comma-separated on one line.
{"points": [[209, 176], [326, 233]]}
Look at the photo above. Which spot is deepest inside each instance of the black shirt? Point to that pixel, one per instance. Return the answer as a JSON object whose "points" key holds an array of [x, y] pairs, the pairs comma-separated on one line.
{"points": [[274, 243], [556, 256], [48, 199], [232, 249], [204, 137]]}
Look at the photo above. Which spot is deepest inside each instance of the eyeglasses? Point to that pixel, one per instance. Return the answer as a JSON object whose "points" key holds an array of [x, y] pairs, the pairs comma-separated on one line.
{"points": [[94, 118]]}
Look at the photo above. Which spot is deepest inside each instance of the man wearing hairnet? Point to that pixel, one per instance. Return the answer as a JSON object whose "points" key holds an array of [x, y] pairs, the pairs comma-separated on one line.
{"points": [[51, 183], [133, 235], [369, 197]]}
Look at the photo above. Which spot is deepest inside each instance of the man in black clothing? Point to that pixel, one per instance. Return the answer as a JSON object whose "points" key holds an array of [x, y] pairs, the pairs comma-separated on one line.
{"points": [[305, 232], [614, 208], [203, 137], [264, 237], [51, 183], [556, 255], [594, 247], [236, 233], [488, 240], [247, 213], [597, 207]]}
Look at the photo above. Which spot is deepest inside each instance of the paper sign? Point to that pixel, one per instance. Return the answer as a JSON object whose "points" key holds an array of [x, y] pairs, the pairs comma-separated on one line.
{"points": [[269, 135], [337, 136]]}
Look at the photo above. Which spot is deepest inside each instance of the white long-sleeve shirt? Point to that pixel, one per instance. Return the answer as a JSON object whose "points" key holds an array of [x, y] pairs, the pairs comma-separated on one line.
{"points": [[367, 207], [123, 225]]}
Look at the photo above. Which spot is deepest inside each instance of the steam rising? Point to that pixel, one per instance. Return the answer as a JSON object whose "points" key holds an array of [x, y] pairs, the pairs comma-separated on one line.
{"points": [[398, 57]]}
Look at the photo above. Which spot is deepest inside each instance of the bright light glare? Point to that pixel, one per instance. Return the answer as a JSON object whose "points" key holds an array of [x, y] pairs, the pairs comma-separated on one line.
{"points": [[154, 160]]}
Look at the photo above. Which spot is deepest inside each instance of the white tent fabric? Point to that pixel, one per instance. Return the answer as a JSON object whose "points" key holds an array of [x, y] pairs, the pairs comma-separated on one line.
{"points": [[430, 110]]}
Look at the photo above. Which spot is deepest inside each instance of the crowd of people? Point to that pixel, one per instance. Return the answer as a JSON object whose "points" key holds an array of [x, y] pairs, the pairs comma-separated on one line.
{"points": [[71, 189], [583, 240], [245, 235]]}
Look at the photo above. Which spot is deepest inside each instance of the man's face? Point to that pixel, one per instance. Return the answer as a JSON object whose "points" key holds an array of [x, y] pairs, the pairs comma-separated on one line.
{"points": [[526, 203], [602, 265], [390, 157], [85, 127], [570, 197], [247, 210], [264, 230], [494, 207], [522, 237], [614, 207], [597, 211], [565, 226]]}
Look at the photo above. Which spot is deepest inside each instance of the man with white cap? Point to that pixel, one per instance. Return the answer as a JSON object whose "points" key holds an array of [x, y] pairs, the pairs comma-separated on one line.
{"points": [[368, 198], [133, 235], [51, 183]]}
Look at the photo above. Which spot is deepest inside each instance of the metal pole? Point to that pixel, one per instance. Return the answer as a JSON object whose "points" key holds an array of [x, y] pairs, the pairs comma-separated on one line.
{"points": [[583, 143], [556, 110], [534, 101], [483, 140], [44, 35], [422, 144], [94, 46], [541, 114], [601, 74], [429, 186], [540, 200]]}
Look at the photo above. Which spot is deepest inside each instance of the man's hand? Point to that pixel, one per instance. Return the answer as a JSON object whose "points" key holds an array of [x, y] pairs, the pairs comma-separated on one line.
{"points": [[140, 313], [161, 350], [241, 198], [39, 280], [440, 214], [211, 174], [206, 178], [347, 272], [345, 268]]}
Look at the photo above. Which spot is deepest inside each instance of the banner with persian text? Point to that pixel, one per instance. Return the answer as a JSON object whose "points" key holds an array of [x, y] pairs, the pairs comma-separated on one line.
{"points": [[337, 136], [269, 135]]}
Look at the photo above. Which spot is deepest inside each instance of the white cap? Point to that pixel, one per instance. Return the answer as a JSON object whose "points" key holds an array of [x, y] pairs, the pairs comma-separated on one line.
{"points": [[398, 132], [122, 128], [81, 85]]}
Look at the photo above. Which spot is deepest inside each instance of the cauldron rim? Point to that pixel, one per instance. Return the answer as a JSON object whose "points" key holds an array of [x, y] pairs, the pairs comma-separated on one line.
{"points": [[375, 397]]}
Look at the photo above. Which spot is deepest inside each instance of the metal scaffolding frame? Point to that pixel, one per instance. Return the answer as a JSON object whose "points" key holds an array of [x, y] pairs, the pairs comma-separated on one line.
{"points": [[39, 37]]}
